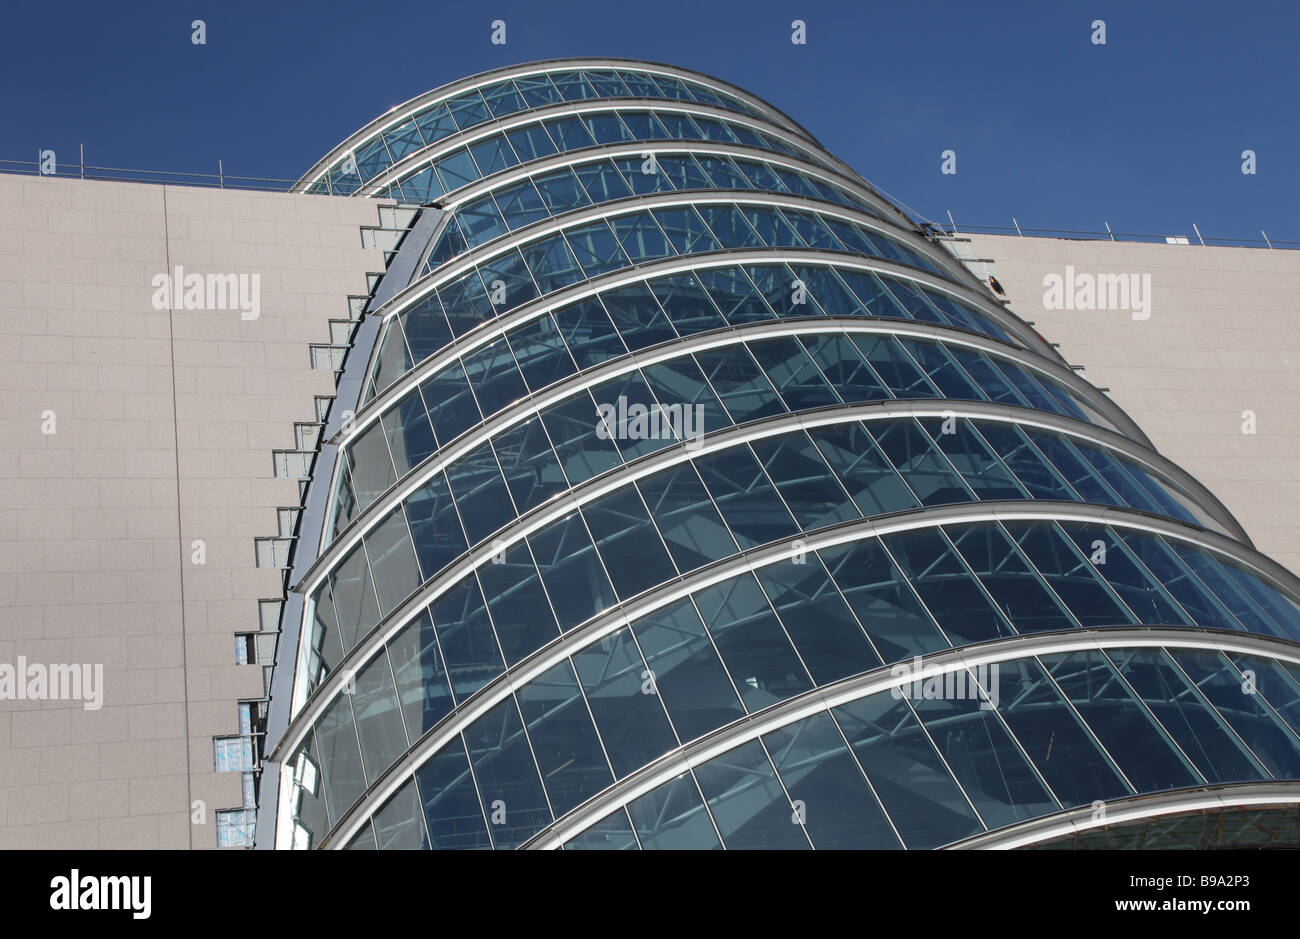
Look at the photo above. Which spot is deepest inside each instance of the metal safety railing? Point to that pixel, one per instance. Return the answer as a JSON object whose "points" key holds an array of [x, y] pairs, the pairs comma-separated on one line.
{"points": [[56, 169], [222, 180], [1077, 234]]}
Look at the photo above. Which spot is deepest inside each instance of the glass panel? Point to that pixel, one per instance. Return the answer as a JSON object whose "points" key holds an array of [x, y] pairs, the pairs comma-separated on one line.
{"points": [[1071, 575], [894, 366], [354, 597], [436, 123], [371, 465], [954, 598], [561, 191], [340, 756], [399, 823], [1017, 590], [637, 317], [748, 803], [1226, 589], [603, 182], [942, 370], [1053, 736], [606, 128], [480, 493], [691, 407], [966, 450], [752, 509], [794, 375], [480, 221], [730, 226], [573, 427], [683, 172], [574, 579], [468, 109], [1192, 595], [503, 99], [517, 603], [456, 169], [644, 175], [812, 494], [409, 433], [564, 741], [493, 155], [737, 298], [684, 299], [633, 553], [506, 775], [1241, 706], [451, 803], [538, 91], [686, 517], [531, 468], [466, 303], [569, 133], [920, 463], [1136, 589], [687, 672], [531, 142], [552, 263], [541, 353], [422, 686], [820, 774], [686, 230], [469, 646], [1123, 726], [753, 646], [435, 528], [672, 817], [828, 637], [392, 561], [1195, 727], [521, 204], [590, 335], [403, 139], [875, 588], [983, 757], [625, 703], [453, 409], [640, 237], [909, 777], [874, 485], [379, 723], [497, 382]]}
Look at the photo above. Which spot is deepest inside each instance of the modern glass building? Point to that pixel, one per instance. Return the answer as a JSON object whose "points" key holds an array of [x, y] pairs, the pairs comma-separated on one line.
{"points": [[681, 493]]}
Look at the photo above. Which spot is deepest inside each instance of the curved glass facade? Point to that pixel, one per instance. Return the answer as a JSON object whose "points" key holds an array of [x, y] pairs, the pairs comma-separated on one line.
{"points": [[694, 499]]}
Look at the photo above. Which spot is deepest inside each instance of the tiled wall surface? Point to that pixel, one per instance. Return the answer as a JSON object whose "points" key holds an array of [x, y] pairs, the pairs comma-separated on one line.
{"points": [[164, 425], [1222, 339]]}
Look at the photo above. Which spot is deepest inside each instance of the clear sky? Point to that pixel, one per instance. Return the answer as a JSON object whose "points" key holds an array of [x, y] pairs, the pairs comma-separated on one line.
{"points": [[1145, 132]]}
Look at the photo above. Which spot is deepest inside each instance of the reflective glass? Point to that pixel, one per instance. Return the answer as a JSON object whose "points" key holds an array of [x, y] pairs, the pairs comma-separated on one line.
{"points": [[452, 809], [748, 802], [838, 808], [568, 752], [910, 778], [506, 776], [672, 817], [624, 701]]}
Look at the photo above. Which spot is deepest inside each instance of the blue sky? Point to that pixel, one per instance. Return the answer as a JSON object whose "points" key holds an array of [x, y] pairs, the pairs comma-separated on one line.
{"points": [[1145, 132]]}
